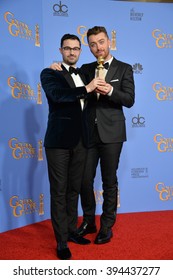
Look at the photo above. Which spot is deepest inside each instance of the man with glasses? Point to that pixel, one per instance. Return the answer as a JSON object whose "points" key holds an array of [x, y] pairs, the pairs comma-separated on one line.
{"points": [[107, 131], [66, 140]]}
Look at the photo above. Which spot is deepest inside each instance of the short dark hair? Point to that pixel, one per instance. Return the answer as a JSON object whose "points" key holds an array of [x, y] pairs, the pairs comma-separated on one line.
{"points": [[96, 30], [71, 37]]}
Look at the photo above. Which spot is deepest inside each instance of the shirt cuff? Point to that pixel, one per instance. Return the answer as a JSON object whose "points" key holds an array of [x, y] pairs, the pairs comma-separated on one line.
{"points": [[110, 93]]}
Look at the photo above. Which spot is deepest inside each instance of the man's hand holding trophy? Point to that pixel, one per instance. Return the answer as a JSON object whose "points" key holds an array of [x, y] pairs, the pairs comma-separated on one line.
{"points": [[98, 84], [104, 88]]}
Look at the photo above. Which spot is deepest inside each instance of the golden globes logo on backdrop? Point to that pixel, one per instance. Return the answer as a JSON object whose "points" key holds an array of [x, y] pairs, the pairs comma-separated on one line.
{"points": [[25, 150], [60, 9], [163, 144], [135, 16], [20, 29], [24, 91], [26, 206], [165, 192], [163, 93], [162, 39], [82, 32]]}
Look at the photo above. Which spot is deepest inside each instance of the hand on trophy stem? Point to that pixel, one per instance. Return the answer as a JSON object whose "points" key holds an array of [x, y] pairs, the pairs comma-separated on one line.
{"points": [[94, 84], [104, 89]]}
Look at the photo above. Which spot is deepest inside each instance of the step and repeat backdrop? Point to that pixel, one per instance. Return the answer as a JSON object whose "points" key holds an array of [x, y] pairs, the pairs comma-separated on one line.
{"points": [[141, 34]]}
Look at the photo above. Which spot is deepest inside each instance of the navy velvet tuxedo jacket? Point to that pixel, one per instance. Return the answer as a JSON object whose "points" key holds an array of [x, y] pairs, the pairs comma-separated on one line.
{"points": [[108, 110], [67, 122]]}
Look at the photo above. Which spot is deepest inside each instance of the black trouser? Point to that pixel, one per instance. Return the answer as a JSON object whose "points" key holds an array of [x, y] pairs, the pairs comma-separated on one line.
{"points": [[109, 155], [65, 169]]}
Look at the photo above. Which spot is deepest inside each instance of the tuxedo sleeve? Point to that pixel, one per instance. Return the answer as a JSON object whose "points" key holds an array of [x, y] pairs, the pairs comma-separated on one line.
{"points": [[124, 89], [57, 88]]}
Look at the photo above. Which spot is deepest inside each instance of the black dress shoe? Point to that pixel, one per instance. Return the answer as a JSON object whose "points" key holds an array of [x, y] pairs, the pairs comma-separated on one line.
{"points": [[86, 228], [76, 238], [63, 252], [103, 236]]}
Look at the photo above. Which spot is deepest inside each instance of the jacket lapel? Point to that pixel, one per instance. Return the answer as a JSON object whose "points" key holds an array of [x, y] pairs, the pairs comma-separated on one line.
{"points": [[82, 76], [112, 70], [68, 77], [92, 70], [70, 81]]}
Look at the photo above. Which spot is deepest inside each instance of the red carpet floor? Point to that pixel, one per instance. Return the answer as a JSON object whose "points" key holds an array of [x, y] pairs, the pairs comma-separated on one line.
{"points": [[136, 236]]}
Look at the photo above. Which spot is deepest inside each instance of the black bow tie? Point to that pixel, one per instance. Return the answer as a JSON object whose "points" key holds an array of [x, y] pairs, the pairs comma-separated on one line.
{"points": [[106, 65], [73, 70]]}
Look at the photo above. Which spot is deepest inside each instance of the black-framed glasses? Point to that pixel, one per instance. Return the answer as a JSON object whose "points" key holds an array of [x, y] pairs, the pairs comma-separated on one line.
{"points": [[68, 49]]}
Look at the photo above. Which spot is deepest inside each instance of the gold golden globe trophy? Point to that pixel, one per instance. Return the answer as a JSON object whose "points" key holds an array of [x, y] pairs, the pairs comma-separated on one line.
{"points": [[100, 67]]}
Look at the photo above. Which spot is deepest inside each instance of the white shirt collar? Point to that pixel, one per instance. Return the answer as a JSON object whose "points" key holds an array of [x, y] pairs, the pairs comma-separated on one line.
{"points": [[67, 66], [109, 61]]}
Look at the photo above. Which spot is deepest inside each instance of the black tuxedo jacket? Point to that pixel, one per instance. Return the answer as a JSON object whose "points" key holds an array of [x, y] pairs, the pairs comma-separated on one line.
{"points": [[108, 110], [67, 122]]}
